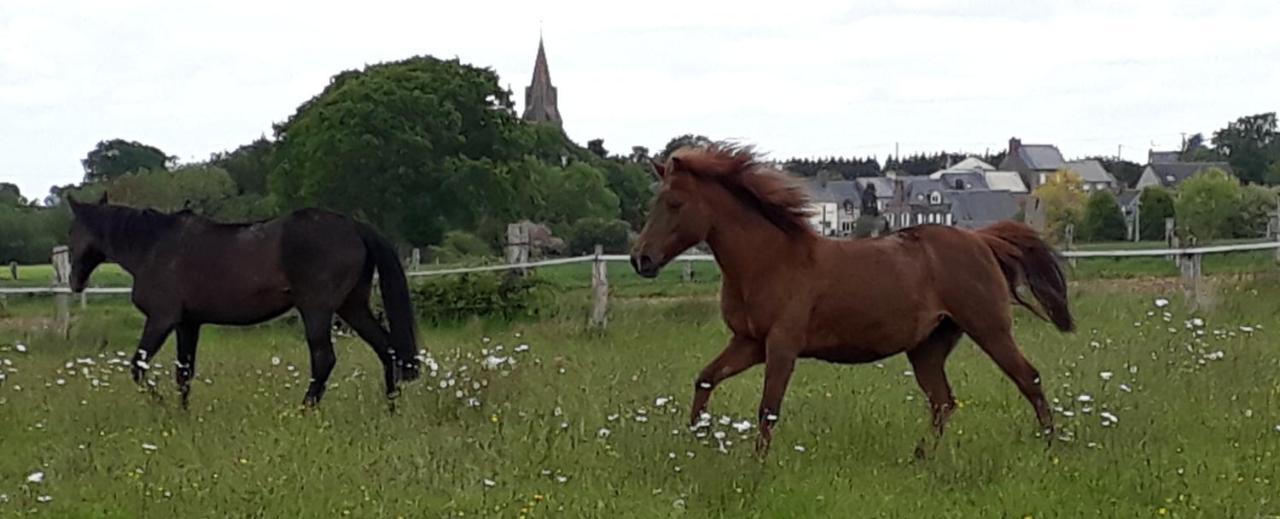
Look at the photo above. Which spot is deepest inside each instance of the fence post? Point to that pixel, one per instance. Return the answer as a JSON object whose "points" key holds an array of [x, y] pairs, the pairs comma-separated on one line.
{"points": [[1191, 279], [688, 271], [599, 290], [1071, 241], [415, 259], [1277, 236], [517, 244], [1137, 219], [62, 279], [1171, 240], [13, 270], [1274, 227]]}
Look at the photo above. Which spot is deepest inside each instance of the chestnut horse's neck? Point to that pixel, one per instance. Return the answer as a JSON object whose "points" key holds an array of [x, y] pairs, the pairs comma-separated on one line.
{"points": [[747, 245]]}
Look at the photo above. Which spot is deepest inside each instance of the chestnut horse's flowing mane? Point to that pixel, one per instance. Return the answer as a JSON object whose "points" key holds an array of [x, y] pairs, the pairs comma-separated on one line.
{"points": [[770, 191]]}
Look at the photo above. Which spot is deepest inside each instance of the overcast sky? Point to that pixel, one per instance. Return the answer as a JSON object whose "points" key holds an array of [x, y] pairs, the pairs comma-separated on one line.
{"points": [[796, 78]]}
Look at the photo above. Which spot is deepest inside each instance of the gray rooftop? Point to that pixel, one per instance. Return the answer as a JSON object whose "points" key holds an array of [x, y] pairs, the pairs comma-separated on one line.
{"points": [[884, 186], [1163, 157], [976, 209], [1173, 173], [1041, 156], [838, 191], [974, 179], [1090, 171]]}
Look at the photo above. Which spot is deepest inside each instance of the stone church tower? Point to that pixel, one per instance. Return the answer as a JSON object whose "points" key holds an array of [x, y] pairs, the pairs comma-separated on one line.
{"points": [[540, 97]]}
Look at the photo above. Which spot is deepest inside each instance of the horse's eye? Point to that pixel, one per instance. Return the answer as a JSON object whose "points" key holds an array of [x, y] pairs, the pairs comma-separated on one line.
{"points": [[674, 203]]}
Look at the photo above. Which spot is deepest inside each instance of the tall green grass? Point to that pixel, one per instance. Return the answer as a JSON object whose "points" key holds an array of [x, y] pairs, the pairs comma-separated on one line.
{"points": [[1196, 434]]}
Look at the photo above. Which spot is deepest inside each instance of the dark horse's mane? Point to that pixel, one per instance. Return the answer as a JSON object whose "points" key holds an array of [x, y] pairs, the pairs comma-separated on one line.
{"points": [[770, 191], [128, 228]]}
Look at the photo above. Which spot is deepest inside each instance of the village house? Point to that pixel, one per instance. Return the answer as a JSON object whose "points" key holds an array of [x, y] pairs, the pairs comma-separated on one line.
{"points": [[1170, 175], [835, 206], [995, 180], [962, 199], [1034, 162], [1094, 176]]}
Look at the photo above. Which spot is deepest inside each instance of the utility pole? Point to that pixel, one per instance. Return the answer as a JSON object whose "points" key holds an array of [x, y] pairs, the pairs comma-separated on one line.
{"points": [[1119, 151]]}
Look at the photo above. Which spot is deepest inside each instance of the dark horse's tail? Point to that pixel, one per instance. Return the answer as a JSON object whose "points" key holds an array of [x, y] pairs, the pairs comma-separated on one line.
{"points": [[395, 302], [1025, 258]]}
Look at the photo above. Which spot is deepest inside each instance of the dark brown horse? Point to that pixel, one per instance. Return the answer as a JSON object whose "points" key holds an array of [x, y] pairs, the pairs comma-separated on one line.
{"points": [[189, 271], [789, 293]]}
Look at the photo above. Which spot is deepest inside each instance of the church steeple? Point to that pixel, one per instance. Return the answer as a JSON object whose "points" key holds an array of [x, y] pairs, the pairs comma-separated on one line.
{"points": [[540, 97]]}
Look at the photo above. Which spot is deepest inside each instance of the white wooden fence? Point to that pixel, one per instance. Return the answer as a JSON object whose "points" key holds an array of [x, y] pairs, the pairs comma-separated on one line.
{"points": [[1189, 260]]}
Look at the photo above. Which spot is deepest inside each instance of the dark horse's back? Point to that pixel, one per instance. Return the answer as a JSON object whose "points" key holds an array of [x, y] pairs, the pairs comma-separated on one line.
{"points": [[248, 273], [315, 260]]}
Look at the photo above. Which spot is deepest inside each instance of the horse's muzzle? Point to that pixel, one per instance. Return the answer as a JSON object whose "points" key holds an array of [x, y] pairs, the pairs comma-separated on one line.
{"points": [[645, 265]]}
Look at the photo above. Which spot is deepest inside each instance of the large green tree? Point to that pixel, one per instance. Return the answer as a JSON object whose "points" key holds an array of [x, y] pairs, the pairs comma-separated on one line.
{"points": [[116, 157], [248, 165], [417, 146], [579, 191], [1251, 144], [10, 195], [676, 143], [1255, 207], [1155, 204], [28, 234], [1206, 203], [200, 188], [632, 183], [1103, 220]]}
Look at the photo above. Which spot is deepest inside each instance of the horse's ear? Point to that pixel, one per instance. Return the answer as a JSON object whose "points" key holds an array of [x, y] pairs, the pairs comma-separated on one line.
{"points": [[659, 169], [677, 164]]}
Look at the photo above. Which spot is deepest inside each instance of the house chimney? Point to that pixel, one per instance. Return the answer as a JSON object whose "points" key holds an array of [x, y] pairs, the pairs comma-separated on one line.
{"points": [[1014, 144]]}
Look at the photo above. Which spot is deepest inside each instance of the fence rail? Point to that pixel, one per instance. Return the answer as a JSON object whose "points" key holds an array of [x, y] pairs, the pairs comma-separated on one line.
{"points": [[1188, 259], [1192, 251]]}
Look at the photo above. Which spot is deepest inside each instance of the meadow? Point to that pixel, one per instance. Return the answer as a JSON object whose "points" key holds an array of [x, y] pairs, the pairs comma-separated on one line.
{"points": [[1161, 412]]}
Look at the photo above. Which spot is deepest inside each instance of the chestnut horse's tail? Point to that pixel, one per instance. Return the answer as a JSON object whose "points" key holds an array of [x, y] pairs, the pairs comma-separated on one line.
{"points": [[1025, 258]]}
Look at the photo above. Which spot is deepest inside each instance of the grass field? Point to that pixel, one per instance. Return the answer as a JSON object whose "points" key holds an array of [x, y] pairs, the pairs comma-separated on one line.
{"points": [[576, 426]]}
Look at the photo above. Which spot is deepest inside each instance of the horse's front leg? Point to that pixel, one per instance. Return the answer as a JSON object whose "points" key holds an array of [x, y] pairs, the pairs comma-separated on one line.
{"points": [[154, 334], [740, 354], [188, 336], [781, 351]]}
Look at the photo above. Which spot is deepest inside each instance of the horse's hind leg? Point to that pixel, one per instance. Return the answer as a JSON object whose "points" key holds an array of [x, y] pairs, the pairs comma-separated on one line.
{"points": [[318, 327], [928, 360], [357, 314], [1002, 349], [188, 336]]}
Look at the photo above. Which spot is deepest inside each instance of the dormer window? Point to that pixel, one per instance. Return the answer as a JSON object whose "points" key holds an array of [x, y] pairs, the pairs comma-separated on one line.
{"points": [[935, 198]]}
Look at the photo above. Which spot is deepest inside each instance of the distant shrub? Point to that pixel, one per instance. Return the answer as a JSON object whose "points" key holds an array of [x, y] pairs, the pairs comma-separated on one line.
{"points": [[445, 299], [459, 246], [586, 233]]}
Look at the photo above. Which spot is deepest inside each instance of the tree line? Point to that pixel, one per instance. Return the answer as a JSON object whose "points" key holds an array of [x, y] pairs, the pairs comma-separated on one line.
{"points": [[1212, 205]]}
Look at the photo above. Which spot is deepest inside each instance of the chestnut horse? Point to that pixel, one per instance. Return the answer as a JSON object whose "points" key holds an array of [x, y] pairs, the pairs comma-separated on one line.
{"points": [[789, 293]]}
